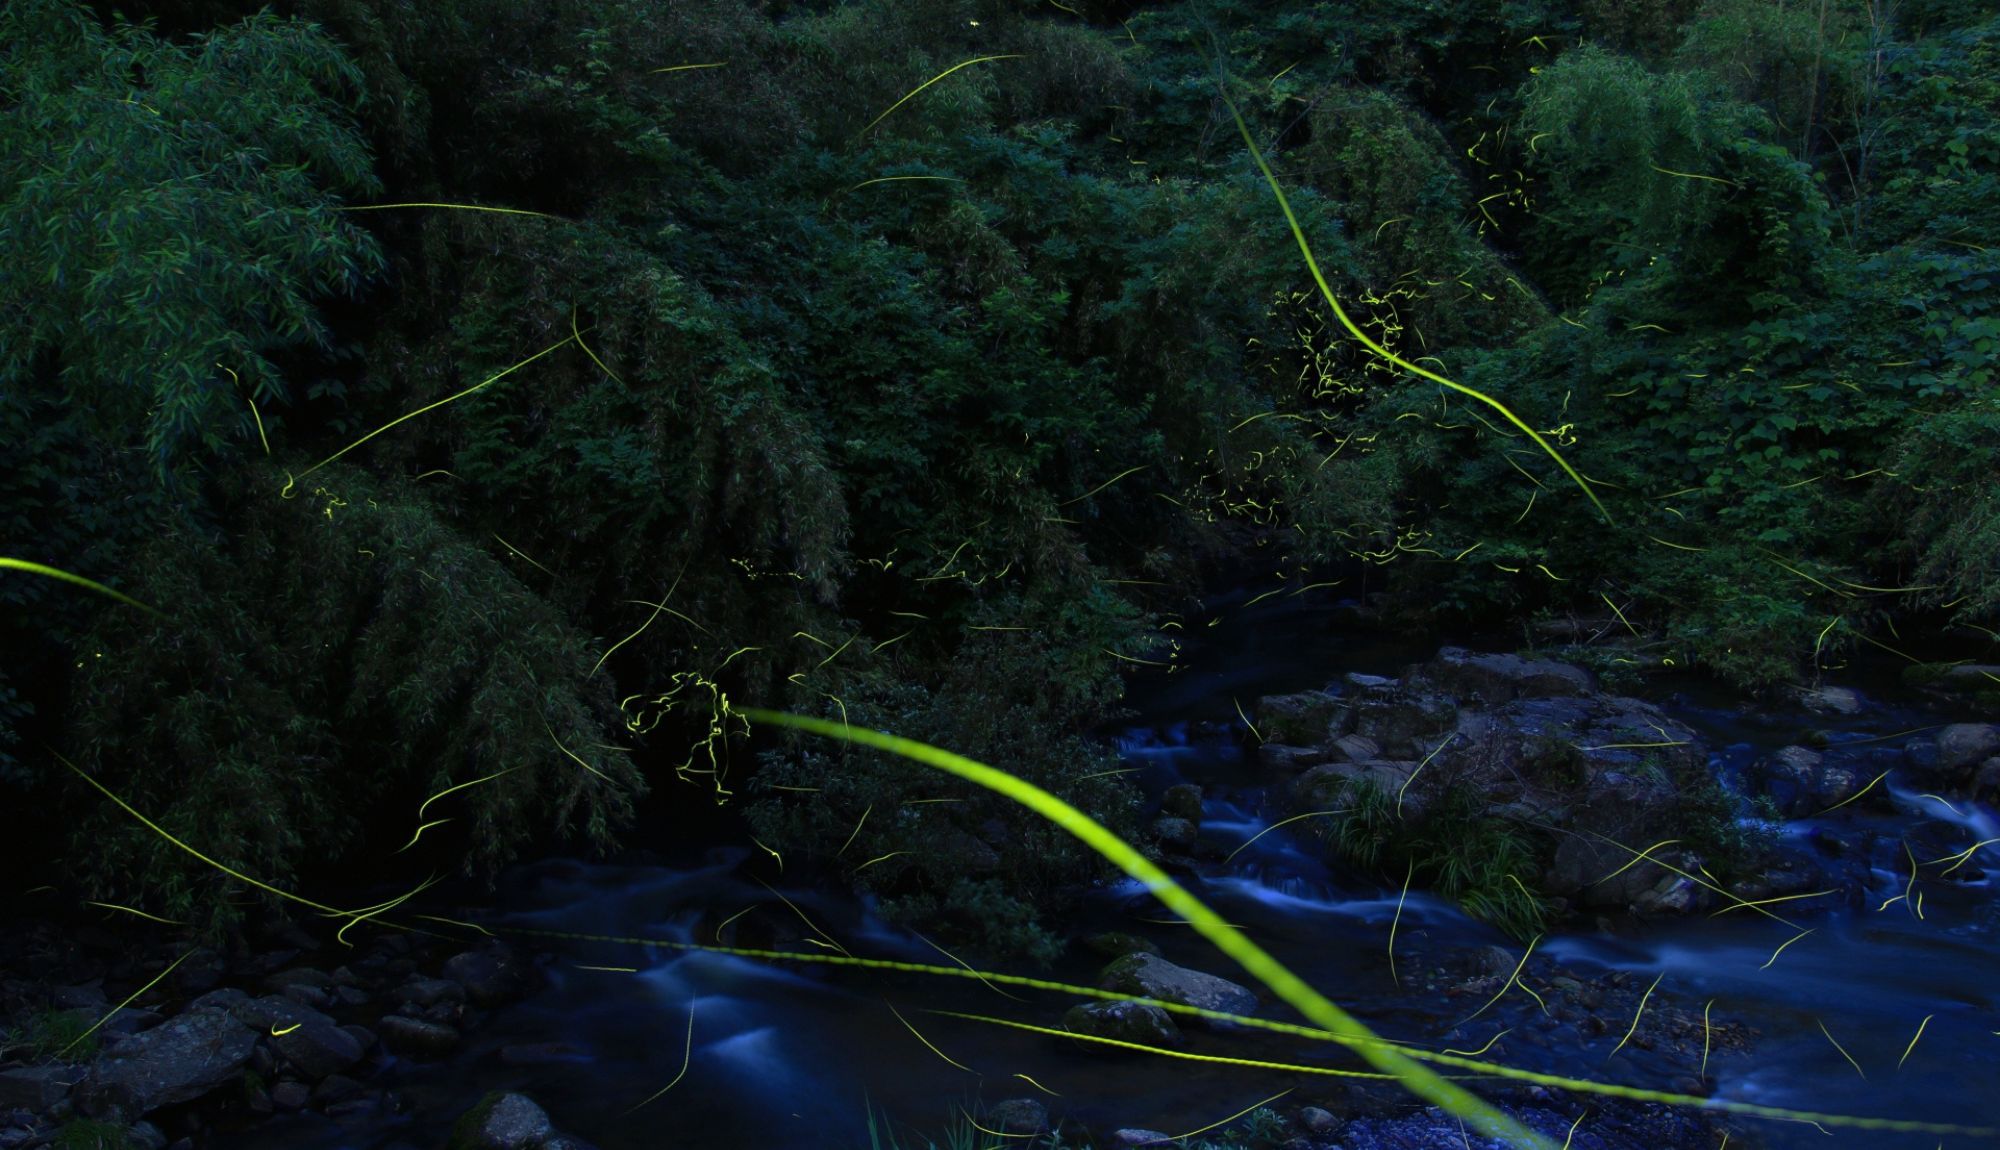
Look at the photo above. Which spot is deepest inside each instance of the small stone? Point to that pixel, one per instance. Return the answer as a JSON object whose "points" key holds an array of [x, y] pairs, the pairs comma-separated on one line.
{"points": [[1023, 1116], [493, 975], [1832, 700], [1154, 977], [290, 1095], [1133, 1136], [145, 1136], [502, 1122], [1139, 1022], [428, 992], [1175, 834], [1317, 1121], [361, 1034], [335, 1088], [298, 976]]}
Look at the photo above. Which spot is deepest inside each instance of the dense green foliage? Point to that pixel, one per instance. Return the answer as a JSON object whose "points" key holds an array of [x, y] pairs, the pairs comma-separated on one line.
{"points": [[923, 413]]}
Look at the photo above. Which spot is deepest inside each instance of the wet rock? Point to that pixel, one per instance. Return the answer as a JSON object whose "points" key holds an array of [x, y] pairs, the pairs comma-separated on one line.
{"points": [[1498, 678], [1317, 1121], [1672, 895], [199, 972], [177, 1061], [502, 1122], [1175, 834], [1970, 677], [35, 1088], [1802, 781], [87, 997], [1154, 977], [1022, 1116], [291, 1095], [1361, 682], [1921, 755], [1124, 1022], [493, 975], [427, 992], [1135, 1137], [1354, 749], [362, 1035], [336, 1088], [1404, 724], [415, 1038], [1182, 801], [1300, 719], [1321, 788], [145, 1136], [1962, 747], [1831, 700], [308, 1039], [1986, 780], [566, 1142], [1286, 759], [1588, 872], [298, 976]]}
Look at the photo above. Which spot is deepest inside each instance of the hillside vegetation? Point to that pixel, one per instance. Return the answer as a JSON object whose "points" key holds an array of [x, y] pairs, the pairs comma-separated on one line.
{"points": [[783, 380]]}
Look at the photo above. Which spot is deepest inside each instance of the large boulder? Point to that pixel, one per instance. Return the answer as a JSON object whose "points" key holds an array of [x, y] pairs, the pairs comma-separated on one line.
{"points": [[1961, 747], [177, 1061], [493, 975], [416, 1038], [1017, 1117], [1151, 976], [502, 1122], [1498, 678], [1596, 876], [1138, 1022], [1301, 719], [1802, 781], [1406, 725], [308, 1039]]}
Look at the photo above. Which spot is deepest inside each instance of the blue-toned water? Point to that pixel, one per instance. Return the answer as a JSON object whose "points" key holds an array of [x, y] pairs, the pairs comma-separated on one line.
{"points": [[790, 1055]]}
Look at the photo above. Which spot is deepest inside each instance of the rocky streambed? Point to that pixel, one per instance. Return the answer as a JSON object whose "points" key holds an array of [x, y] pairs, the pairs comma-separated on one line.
{"points": [[1756, 907]]}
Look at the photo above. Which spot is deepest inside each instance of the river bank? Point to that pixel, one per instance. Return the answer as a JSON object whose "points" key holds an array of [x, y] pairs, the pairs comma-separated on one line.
{"points": [[1654, 983]]}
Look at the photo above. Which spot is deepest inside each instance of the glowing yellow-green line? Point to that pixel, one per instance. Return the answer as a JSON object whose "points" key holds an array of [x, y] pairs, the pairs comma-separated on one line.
{"points": [[1253, 958], [72, 1044], [927, 83], [457, 207], [80, 581], [501, 374], [687, 1059], [1355, 330]]}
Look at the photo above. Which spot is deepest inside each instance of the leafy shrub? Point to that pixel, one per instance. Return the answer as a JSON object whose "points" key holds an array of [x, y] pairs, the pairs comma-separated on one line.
{"points": [[941, 853], [169, 216], [342, 655]]}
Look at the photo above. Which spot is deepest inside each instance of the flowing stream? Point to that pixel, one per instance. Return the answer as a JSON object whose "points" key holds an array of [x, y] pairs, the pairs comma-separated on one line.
{"points": [[794, 1055]]}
